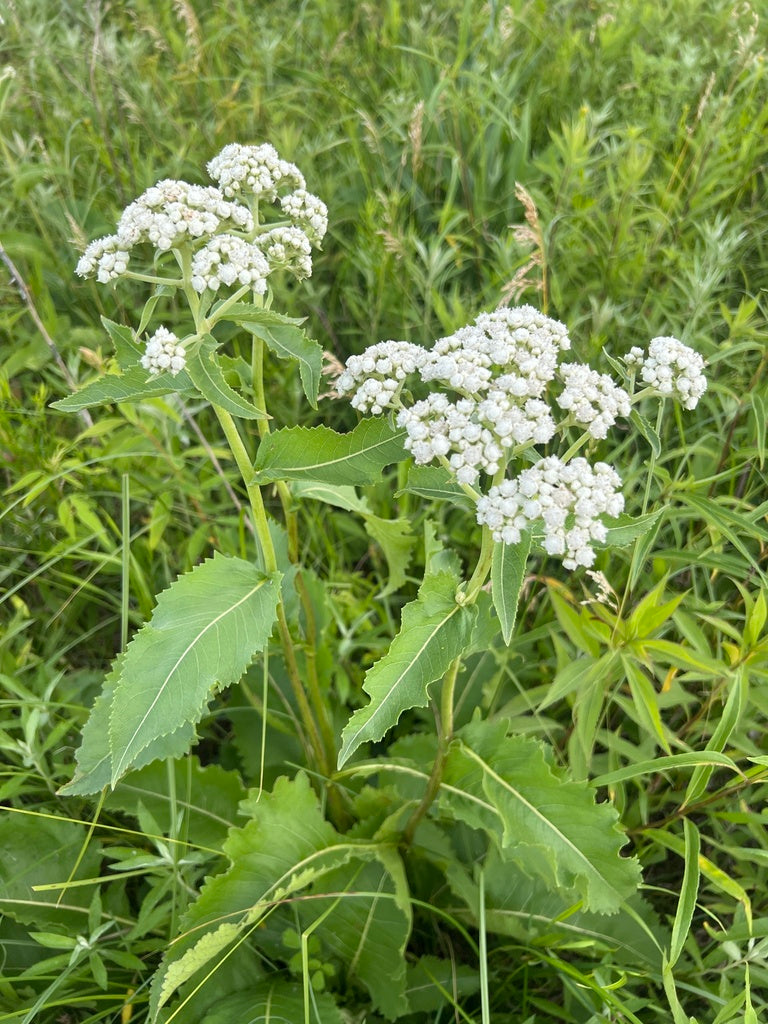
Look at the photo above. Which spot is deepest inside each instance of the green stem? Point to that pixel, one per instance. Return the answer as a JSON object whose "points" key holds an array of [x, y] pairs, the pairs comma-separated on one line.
{"points": [[444, 738]]}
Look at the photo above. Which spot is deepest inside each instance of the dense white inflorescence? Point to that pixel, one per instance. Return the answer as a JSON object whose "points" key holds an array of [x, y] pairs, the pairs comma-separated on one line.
{"points": [[255, 169], [567, 498], [592, 398], [107, 258], [377, 375], [676, 370], [288, 249], [307, 212], [228, 260], [163, 353], [171, 211]]}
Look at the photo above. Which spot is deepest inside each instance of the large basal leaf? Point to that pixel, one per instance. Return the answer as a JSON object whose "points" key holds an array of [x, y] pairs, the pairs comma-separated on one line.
{"points": [[507, 575], [201, 804], [319, 453], [131, 386], [368, 927], [434, 631], [208, 378], [94, 759], [203, 633], [546, 823], [285, 847], [273, 1002], [291, 342], [40, 850]]}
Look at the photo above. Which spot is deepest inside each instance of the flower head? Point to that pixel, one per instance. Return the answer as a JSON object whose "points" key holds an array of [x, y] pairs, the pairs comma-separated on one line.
{"points": [[163, 353], [308, 213], [255, 169], [106, 257], [288, 249], [228, 260], [592, 398], [676, 370]]}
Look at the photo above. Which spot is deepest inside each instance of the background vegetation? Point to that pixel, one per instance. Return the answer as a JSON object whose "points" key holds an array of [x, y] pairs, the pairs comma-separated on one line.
{"points": [[639, 129]]}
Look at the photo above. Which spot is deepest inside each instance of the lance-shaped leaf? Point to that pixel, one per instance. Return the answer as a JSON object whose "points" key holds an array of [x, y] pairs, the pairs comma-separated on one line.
{"points": [[94, 759], [127, 350], [434, 631], [319, 453], [285, 846], [272, 1002], [546, 823], [247, 313], [291, 342], [625, 529], [208, 378], [203, 633], [436, 483], [133, 385], [507, 575]]}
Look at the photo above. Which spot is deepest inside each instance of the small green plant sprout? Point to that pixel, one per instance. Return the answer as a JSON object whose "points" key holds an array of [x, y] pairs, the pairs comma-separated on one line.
{"points": [[490, 418]]}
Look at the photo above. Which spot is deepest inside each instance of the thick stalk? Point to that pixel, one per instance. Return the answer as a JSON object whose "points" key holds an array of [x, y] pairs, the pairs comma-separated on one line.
{"points": [[443, 741]]}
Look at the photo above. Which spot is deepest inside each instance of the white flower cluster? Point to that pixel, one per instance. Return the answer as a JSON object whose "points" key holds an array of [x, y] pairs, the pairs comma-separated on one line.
{"points": [[229, 260], [307, 212], [437, 426], [674, 369], [377, 375], [163, 353], [288, 249], [592, 398], [255, 169], [172, 211], [106, 257], [520, 343], [568, 498]]}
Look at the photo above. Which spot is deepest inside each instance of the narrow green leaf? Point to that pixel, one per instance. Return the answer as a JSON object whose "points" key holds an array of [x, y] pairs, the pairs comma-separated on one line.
{"points": [[646, 702], [688, 892], [290, 342], [760, 414], [647, 431], [507, 575], [319, 453], [133, 385], [734, 705], [203, 634], [434, 631], [543, 821], [208, 378], [663, 764]]}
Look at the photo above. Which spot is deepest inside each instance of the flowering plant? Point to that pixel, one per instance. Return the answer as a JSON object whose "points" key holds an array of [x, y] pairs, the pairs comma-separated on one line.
{"points": [[489, 419]]}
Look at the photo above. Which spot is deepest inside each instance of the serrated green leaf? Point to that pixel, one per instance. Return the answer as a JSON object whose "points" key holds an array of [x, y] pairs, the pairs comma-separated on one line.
{"points": [[208, 378], [247, 313], [543, 821], [626, 529], [507, 575], [133, 385], [127, 350], [319, 453], [290, 342], [94, 760], [285, 847], [204, 632], [647, 431], [332, 494], [434, 631], [273, 1002]]}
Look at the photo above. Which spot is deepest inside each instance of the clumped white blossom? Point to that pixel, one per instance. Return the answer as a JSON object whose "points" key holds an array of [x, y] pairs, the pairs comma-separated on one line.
{"points": [[634, 357], [171, 211], [288, 248], [163, 353], [228, 260], [377, 375], [255, 169], [106, 257], [518, 343], [308, 213], [592, 398], [567, 498], [437, 427], [676, 370]]}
